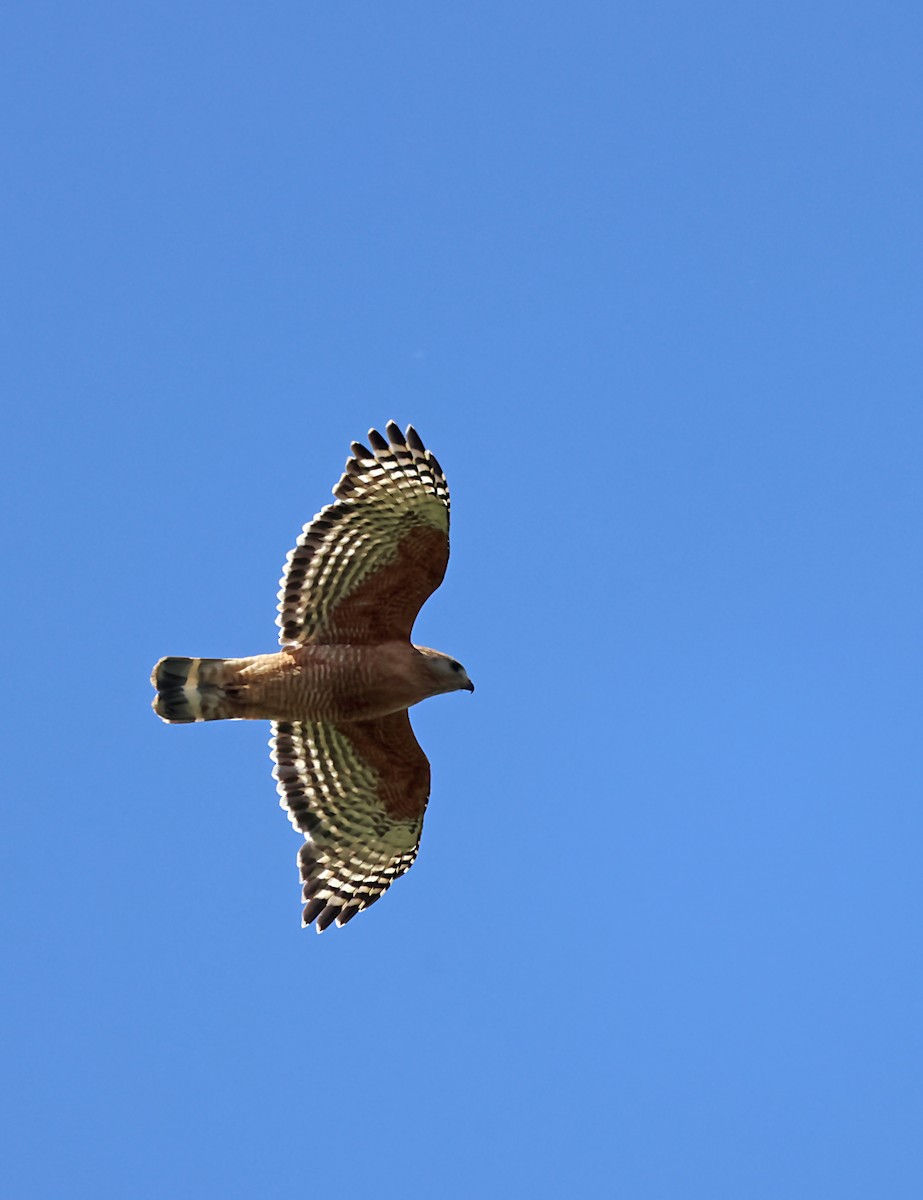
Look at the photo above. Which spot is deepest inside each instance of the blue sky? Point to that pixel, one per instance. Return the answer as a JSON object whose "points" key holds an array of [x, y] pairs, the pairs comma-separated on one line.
{"points": [[647, 278]]}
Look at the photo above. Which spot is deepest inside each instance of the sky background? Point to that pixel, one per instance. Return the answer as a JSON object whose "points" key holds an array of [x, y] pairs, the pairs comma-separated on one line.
{"points": [[647, 278]]}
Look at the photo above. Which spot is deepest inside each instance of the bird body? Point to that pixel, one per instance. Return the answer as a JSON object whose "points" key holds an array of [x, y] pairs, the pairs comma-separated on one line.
{"points": [[348, 768], [313, 682]]}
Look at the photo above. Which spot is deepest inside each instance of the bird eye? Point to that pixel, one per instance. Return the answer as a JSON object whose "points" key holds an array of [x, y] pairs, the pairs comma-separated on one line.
{"points": [[456, 666]]}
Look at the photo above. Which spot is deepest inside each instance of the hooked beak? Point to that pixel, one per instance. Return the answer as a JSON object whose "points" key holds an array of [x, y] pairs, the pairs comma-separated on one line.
{"points": [[470, 687]]}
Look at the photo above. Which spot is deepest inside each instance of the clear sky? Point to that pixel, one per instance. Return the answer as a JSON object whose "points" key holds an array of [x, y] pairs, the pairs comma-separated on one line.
{"points": [[647, 278]]}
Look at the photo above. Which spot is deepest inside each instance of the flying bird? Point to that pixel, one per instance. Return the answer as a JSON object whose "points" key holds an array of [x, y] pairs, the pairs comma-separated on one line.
{"points": [[348, 768]]}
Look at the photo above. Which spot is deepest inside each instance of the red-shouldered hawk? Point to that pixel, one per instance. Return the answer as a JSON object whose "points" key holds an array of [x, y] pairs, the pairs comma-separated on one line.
{"points": [[349, 770]]}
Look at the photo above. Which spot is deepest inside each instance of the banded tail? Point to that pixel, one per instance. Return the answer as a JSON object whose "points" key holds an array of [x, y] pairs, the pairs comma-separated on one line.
{"points": [[193, 689]]}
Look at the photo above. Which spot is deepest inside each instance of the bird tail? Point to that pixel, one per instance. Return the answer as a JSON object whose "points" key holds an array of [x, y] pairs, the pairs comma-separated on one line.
{"points": [[194, 689]]}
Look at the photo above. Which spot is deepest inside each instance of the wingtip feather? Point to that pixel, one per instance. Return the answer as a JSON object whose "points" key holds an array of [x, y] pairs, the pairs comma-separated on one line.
{"points": [[395, 437]]}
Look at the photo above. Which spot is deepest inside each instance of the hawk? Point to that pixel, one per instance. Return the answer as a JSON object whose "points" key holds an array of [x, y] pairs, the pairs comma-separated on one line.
{"points": [[348, 768]]}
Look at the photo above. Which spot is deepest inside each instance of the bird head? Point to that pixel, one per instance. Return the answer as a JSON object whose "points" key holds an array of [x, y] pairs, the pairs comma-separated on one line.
{"points": [[446, 672]]}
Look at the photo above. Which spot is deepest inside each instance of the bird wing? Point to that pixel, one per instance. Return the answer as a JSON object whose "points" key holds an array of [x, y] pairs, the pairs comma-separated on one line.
{"points": [[357, 791], [362, 569]]}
